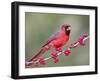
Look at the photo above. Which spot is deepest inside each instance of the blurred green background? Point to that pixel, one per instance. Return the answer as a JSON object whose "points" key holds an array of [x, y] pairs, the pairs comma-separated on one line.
{"points": [[40, 26]]}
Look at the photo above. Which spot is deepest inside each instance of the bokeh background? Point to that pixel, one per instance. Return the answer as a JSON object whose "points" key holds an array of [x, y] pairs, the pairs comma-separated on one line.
{"points": [[40, 26]]}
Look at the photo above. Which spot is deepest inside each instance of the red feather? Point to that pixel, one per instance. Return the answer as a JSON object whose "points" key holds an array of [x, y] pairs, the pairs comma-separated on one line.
{"points": [[57, 40]]}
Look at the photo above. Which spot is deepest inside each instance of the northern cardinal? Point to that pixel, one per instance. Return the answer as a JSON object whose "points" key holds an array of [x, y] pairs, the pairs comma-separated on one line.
{"points": [[57, 40]]}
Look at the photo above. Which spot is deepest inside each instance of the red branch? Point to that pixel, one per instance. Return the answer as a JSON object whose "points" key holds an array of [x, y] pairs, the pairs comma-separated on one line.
{"points": [[81, 41]]}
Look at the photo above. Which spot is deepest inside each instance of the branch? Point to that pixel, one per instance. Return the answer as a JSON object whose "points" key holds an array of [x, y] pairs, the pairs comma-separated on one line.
{"points": [[81, 41]]}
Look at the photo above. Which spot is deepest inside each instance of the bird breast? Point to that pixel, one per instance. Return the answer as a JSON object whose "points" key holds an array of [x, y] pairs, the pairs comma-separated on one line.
{"points": [[60, 42]]}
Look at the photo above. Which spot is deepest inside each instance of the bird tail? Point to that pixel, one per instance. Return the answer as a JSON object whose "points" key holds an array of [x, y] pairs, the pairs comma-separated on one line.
{"points": [[35, 58]]}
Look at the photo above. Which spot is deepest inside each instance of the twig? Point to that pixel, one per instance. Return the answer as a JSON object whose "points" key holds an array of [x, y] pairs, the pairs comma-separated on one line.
{"points": [[80, 41]]}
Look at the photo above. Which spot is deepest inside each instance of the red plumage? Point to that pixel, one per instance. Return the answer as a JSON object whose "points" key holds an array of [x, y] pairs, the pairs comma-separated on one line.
{"points": [[57, 40]]}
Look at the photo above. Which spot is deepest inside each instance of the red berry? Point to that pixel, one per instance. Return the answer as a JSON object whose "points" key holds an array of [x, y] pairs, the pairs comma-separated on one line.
{"points": [[55, 60], [59, 49], [67, 52], [81, 41], [42, 61], [54, 54], [85, 35]]}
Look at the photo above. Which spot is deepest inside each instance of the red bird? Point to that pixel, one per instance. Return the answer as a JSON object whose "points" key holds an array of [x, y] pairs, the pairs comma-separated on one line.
{"points": [[57, 40]]}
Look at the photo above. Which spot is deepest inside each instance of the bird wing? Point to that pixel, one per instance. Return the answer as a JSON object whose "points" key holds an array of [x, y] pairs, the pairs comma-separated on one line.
{"points": [[52, 37]]}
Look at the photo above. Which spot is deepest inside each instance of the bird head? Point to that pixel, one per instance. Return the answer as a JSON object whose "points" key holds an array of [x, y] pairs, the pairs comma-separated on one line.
{"points": [[66, 28]]}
